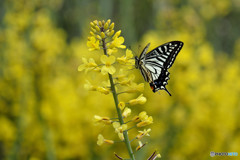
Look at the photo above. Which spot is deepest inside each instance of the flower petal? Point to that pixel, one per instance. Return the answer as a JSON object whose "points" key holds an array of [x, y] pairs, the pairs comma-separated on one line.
{"points": [[129, 53], [104, 70], [111, 70], [104, 59], [81, 67], [111, 59]]}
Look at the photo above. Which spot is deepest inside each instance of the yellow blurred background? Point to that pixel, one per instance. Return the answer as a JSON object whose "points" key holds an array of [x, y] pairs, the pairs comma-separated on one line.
{"points": [[45, 112]]}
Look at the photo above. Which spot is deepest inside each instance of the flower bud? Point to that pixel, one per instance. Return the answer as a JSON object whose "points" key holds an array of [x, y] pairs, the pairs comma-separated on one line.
{"points": [[120, 135], [117, 34], [111, 26], [121, 105], [95, 22], [100, 23], [92, 24], [94, 30], [97, 28], [99, 37], [105, 26], [111, 33], [92, 34], [126, 112], [102, 35], [108, 21]]}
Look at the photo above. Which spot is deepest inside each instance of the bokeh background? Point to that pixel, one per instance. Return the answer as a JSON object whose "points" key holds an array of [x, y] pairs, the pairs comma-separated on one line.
{"points": [[45, 112]]}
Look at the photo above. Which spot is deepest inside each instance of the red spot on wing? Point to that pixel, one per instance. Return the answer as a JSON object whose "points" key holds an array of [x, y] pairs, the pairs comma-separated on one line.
{"points": [[152, 87]]}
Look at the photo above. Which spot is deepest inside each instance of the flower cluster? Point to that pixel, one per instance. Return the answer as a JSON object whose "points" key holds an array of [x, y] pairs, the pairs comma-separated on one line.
{"points": [[104, 37]]}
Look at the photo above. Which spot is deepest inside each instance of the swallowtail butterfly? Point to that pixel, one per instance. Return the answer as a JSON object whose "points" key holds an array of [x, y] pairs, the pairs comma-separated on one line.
{"points": [[154, 65]]}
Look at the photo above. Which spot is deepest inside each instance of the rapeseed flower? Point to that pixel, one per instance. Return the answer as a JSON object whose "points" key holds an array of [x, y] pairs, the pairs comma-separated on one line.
{"points": [[121, 105], [87, 65], [104, 37], [126, 112], [93, 43], [143, 133], [102, 140], [105, 120], [140, 100], [108, 61]]}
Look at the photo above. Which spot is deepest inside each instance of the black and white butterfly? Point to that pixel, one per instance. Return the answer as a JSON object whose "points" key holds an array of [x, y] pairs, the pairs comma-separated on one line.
{"points": [[154, 65]]}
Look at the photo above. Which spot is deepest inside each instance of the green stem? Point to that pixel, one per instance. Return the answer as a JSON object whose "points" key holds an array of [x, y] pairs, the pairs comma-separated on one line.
{"points": [[125, 133], [119, 112]]}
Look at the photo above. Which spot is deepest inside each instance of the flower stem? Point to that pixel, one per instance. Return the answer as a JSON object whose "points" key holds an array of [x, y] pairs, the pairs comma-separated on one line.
{"points": [[115, 97], [125, 133]]}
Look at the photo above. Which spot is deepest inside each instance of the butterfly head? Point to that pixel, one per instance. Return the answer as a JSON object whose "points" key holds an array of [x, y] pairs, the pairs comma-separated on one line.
{"points": [[136, 62]]}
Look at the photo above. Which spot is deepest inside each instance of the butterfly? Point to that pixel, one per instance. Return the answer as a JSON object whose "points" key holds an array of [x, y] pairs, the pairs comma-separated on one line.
{"points": [[154, 65]]}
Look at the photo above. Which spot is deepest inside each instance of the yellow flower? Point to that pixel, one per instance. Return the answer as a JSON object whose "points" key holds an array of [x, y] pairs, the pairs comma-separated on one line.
{"points": [[111, 26], [108, 61], [87, 65], [143, 133], [158, 155], [95, 22], [136, 119], [110, 33], [127, 59], [154, 156], [110, 51], [117, 43], [117, 34], [123, 79], [119, 128], [140, 145], [120, 135], [145, 119], [116, 124], [121, 105], [122, 74], [84, 65], [146, 122], [93, 43], [89, 86], [139, 100], [127, 112], [103, 90], [135, 88], [143, 115], [129, 54], [101, 140], [102, 35], [106, 25], [99, 119]]}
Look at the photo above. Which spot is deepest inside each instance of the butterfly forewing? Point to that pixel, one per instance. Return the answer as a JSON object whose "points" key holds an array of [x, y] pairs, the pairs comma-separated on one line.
{"points": [[165, 54]]}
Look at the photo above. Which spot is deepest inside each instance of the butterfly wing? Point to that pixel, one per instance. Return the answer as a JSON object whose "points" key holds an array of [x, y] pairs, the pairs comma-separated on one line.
{"points": [[159, 60], [165, 54], [140, 64]]}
